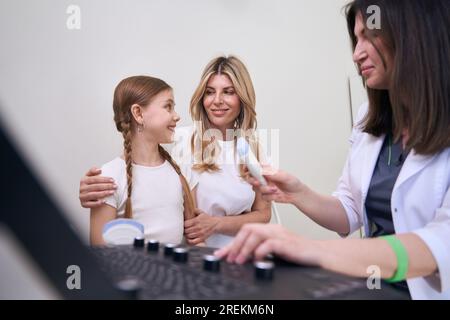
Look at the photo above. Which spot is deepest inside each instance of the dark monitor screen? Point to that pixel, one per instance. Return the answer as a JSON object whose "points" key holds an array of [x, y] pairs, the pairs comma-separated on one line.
{"points": [[28, 211]]}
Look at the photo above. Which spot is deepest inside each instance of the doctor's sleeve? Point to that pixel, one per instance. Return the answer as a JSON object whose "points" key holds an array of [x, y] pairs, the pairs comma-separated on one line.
{"points": [[343, 191], [436, 236], [344, 194]]}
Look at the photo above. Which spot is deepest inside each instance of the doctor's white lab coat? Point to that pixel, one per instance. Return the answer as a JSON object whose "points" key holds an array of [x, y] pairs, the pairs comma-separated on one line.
{"points": [[420, 202]]}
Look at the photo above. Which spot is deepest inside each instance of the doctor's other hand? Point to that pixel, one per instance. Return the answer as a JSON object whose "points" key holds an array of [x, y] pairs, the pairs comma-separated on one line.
{"points": [[94, 188], [198, 229], [281, 186], [257, 240]]}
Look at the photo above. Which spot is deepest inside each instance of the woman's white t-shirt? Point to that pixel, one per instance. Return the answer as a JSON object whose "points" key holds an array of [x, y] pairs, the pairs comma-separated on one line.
{"points": [[157, 198], [220, 193], [224, 192]]}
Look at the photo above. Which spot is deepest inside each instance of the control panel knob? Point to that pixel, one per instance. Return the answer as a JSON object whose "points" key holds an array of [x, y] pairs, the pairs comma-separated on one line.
{"points": [[138, 242], [180, 254], [168, 248], [211, 263], [129, 286], [153, 245], [264, 270]]}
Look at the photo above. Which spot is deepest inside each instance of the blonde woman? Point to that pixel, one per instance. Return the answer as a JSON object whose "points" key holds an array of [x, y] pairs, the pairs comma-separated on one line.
{"points": [[222, 108]]}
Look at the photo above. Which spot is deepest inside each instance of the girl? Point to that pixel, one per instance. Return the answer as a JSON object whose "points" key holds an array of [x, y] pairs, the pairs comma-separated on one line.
{"points": [[150, 186]]}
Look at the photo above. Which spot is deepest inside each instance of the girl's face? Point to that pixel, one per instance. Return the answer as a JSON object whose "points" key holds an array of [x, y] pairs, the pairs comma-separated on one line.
{"points": [[370, 58], [160, 118], [221, 102]]}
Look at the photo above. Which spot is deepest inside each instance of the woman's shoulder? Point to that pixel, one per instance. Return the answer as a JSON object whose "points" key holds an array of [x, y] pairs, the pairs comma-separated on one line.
{"points": [[357, 131], [444, 157], [362, 112]]}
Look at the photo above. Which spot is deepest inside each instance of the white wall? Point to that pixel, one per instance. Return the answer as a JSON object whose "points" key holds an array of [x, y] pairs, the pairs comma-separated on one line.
{"points": [[56, 84]]}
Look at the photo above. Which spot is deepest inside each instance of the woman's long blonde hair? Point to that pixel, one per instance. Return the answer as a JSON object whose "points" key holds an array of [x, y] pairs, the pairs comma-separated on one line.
{"points": [[141, 90], [245, 124]]}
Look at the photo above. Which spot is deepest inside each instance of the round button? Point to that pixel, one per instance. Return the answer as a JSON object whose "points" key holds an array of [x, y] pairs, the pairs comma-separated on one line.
{"points": [[211, 263], [130, 286], [138, 242], [153, 245], [264, 270], [180, 254], [168, 249]]}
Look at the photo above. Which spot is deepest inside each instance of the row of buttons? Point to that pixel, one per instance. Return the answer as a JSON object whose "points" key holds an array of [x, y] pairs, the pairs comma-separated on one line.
{"points": [[263, 269]]}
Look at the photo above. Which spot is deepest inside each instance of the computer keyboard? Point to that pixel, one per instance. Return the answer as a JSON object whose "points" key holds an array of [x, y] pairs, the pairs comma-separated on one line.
{"points": [[162, 278]]}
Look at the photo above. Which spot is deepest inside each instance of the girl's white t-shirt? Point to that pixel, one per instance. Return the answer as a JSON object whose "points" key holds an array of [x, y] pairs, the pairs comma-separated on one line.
{"points": [[157, 198]]}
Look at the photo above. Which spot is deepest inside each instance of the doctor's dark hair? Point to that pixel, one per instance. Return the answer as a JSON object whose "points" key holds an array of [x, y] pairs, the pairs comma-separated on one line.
{"points": [[417, 34]]}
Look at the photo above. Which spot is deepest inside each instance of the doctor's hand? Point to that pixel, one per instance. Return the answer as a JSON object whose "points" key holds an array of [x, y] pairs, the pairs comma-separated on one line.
{"points": [[257, 240], [198, 229], [94, 188], [281, 186]]}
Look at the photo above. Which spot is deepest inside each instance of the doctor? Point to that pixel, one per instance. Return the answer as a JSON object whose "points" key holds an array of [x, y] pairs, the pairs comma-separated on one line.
{"points": [[396, 178]]}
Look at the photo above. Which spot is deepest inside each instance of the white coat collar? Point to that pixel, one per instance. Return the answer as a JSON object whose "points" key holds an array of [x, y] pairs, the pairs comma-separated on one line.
{"points": [[414, 163]]}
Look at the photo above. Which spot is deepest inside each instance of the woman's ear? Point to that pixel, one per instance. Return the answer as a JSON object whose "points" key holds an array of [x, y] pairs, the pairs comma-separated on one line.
{"points": [[136, 111]]}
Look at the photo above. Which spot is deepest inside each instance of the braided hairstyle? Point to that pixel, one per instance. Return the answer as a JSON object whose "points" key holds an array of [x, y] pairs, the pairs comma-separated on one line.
{"points": [[141, 90], [189, 202]]}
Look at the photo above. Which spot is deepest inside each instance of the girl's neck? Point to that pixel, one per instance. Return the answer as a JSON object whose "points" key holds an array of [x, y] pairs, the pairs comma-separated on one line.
{"points": [[144, 152]]}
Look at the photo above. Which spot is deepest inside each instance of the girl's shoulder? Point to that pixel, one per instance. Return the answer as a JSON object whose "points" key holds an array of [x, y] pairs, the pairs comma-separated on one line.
{"points": [[115, 169], [117, 164]]}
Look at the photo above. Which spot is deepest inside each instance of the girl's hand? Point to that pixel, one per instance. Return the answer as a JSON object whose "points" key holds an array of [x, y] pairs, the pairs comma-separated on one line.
{"points": [[94, 188], [258, 240], [281, 186], [198, 229]]}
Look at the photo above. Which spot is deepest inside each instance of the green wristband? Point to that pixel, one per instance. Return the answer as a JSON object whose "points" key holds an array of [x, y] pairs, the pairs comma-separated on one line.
{"points": [[402, 258]]}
